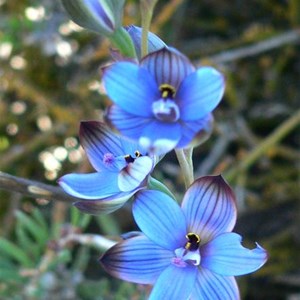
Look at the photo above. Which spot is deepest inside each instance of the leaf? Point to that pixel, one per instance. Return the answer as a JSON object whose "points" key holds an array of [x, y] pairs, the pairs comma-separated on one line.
{"points": [[26, 243], [9, 275], [38, 216], [14, 252], [39, 233]]}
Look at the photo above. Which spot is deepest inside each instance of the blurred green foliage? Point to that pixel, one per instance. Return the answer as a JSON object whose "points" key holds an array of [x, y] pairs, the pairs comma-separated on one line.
{"points": [[50, 80]]}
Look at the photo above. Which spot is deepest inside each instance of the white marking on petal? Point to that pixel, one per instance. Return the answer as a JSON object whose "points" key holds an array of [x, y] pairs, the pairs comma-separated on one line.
{"points": [[157, 147], [134, 174]]}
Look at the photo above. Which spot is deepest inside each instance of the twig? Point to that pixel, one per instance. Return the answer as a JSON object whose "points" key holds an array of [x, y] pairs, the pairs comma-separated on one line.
{"points": [[92, 240], [16, 153], [288, 37], [226, 136], [33, 189], [278, 134], [165, 14]]}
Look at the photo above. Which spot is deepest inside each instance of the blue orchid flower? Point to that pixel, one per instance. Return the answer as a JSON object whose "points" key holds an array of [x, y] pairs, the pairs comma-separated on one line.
{"points": [[122, 170], [188, 252], [164, 102]]}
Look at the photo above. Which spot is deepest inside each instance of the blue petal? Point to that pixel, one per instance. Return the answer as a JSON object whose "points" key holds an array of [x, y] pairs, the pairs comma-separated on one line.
{"points": [[105, 206], [167, 66], [174, 283], [136, 260], [200, 93], [209, 206], [160, 218], [154, 42], [226, 256], [212, 286], [90, 186], [160, 137], [194, 132], [135, 173], [128, 124], [97, 140], [130, 87]]}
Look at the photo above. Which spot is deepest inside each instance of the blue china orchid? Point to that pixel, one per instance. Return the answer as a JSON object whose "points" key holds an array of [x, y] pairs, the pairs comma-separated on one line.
{"points": [[163, 102], [187, 252], [122, 169]]}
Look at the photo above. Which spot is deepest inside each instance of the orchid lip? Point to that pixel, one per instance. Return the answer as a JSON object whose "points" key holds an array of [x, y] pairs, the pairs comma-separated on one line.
{"points": [[166, 110], [184, 257], [190, 253]]}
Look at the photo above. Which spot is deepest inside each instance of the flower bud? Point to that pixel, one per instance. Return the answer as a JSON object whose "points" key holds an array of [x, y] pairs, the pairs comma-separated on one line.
{"points": [[101, 16]]}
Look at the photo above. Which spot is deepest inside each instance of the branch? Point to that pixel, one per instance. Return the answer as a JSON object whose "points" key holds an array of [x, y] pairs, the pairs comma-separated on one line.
{"points": [[272, 140], [289, 37], [16, 153], [33, 189]]}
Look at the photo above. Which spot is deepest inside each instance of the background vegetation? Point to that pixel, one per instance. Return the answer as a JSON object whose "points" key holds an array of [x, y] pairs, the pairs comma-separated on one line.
{"points": [[50, 80]]}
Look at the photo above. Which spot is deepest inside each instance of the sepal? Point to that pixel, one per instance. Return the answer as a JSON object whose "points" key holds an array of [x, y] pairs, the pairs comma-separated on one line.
{"points": [[103, 206], [154, 184]]}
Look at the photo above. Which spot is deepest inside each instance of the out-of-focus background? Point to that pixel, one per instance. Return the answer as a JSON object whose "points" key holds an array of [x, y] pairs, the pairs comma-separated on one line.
{"points": [[50, 79]]}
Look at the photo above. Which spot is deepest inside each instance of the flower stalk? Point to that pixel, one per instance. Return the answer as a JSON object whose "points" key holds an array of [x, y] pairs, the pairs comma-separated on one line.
{"points": [[147, 8], [185, 159]]}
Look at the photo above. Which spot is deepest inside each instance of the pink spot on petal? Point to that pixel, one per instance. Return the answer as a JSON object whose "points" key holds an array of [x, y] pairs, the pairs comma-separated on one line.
{"points": [[179, 262], [108, 159]]}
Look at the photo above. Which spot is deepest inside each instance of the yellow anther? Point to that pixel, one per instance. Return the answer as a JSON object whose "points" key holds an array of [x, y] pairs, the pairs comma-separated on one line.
{"points": [[129, 158], [188, 245], [193, 236], [137, 153], [193, 241], [167, 91]]}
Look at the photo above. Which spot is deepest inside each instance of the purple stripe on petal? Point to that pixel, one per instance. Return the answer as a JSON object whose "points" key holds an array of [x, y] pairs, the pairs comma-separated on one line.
{"points": [[200, 93], [212, 286], [97, 140], [160, 218], [209, 206], [136, 260], [104, 16], [131, 88], [175, 283], [168, 66], [226, 256]]}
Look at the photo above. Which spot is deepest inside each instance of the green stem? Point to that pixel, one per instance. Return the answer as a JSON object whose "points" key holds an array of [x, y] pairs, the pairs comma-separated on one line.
{"points": [[147, 8], [278, 134], [185, 160]]}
